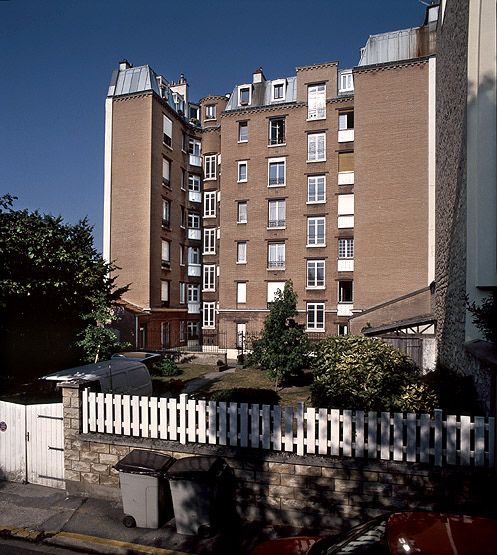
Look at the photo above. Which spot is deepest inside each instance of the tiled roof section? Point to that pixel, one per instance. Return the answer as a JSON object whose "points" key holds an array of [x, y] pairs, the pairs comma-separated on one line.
{"points": [[316, 66], [262, 94]]}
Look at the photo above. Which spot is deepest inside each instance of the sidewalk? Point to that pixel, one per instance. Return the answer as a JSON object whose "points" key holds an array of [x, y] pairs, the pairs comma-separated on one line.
{"points": [[40, 514]]}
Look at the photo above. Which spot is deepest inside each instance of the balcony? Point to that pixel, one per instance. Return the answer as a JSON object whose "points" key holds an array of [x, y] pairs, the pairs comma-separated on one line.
{"points": [[346, 178], [194, 270], [344, 309], [195, 160], [276, 223], [345, 135], [275, 181], [193, 308], [345, 265], [276, 265], [194, 233], [194, 196]]}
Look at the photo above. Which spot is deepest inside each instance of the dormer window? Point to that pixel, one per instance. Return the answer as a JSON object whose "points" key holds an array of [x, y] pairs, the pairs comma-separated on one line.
{"points": [[210, 111], [278, 90], [244, 95]]}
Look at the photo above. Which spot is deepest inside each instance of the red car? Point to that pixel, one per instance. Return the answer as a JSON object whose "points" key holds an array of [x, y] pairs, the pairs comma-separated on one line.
{"points": [[398, 534]]}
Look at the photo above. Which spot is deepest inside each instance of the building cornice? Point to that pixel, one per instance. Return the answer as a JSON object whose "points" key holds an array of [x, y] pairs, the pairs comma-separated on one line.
{"points": [[392, 65], [316, 66]]}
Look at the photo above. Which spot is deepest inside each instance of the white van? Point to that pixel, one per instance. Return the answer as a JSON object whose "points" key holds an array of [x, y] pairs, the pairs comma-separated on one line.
{"points": [[109, 376]]}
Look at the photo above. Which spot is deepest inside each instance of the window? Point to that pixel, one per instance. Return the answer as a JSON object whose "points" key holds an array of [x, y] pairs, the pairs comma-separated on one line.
{"points": [[166, 253], [242, 171], [276, 213], [316, 147], [193, 112], [210, 111], [210, 241], [345, 293], [316, 236], [276, 256], [315, 274], [208, 315], [241, 214], [183, 141], [244, 95], [166, 171], [345, 161], [278, 90], [277, 131], [194, 150], [193, 293], [345, 120], [274, 287], [276, 172], [343, 329], [241, 292], [210, 204], [194, 183], [316, 101], [193, 330], [193, 255], [315, 316], [345, 248], [209, 278], [182, 337], [167, 127], [166, 212], [345, 211], [241, 252], [164, 291], [242, 131], [193, 221], [182, 290], [316, 189], [182, 255], [346, 81], [183, 179], [210, 166]]}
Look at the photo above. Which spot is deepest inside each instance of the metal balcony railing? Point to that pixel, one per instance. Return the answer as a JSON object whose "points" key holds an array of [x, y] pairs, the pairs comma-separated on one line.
{"points": [[276, 223], [276, 181], [276, 264]]}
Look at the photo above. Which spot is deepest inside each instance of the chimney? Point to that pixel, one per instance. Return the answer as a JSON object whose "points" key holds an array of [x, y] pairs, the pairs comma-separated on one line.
{"points": [[258, 76], [124, 64]]}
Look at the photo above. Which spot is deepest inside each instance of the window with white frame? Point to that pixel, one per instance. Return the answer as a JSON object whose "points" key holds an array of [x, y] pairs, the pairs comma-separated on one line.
{"points": [[210, 111], [346, 120], [276, 172], [277, 131], [194, 147], [194, 255], [193, 293], [343, 329], [167, 129], [210, 166], [166, 171], [241, 252], [316, 147], [166, 252], [345, 211], [278, 90], [276, 256], [242, 131], [346, 81], [244, 95], [315, 316], [166, 212], [209, 277], [182, 293], [345, 291], [242, 171], [210, 241], [315, 274], [346, 248], [316, 231], [316, 189], [209, 315], [182, 255], [316, 101], [194, 183], [193, 221], [210, 204], [273, 288], [276, 215], [241, 292], [164, 291], [241, 212]]}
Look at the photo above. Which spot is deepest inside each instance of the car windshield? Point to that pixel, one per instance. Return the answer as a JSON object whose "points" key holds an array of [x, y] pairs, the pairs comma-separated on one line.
{"points": [[365, 539]]}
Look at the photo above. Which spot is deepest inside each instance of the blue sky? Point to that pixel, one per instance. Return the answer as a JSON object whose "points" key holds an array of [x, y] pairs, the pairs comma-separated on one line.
{"points": [[56, 59]]}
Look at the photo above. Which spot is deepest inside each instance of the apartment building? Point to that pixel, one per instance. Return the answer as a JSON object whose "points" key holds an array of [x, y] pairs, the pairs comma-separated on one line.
{"points": [[323, 178]]}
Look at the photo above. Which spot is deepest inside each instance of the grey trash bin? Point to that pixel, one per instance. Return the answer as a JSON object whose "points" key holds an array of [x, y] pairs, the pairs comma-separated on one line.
{"points": [[144, 488], [196, 488]]}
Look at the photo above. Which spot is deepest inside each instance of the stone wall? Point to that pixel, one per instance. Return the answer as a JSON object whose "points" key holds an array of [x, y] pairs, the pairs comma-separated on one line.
{"points": [[282, 488]]}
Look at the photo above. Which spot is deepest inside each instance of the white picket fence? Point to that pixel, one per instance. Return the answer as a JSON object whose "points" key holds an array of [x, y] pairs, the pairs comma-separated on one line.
{"points": [[438, 440]]}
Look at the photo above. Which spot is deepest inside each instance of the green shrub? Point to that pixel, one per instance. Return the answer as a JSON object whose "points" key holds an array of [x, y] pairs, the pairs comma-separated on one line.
{"points": [[246, 395], [167, 367], [354, 372]]}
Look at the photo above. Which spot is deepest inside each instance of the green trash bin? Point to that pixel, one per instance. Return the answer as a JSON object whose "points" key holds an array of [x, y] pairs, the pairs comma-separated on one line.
{"points": [[145, 490]]}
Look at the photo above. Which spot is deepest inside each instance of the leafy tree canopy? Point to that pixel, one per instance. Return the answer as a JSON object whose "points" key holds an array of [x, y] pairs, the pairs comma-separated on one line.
{"points": [[283, 347], [53, 285]]}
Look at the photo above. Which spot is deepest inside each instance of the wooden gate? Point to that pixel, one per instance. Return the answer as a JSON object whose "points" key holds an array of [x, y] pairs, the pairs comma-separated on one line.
{"points": [[32, 445]]}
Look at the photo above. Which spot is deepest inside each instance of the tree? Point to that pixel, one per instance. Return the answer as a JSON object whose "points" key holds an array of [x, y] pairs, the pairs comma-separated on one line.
{"points": [[354, 372], [53, 284], [283, 347]]}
